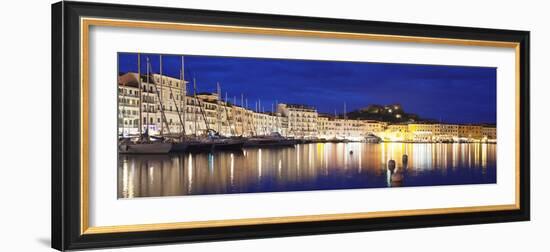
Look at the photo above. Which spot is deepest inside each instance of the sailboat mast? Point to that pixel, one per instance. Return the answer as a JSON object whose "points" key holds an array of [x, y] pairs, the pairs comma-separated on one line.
{"points": [[234, 114], [247, 115], [219, 90], [195, 103], [229, 119], [272, 114], [203, 113], [159, 95], [148, 106], [173, 97], [278, 117], [140, 97], [160, 99], [123, 106], [345, 121], [242, 114], [183, 94]]}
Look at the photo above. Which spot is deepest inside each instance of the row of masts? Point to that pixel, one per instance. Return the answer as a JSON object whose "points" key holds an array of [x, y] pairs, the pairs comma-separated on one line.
{"points": [[182, 113]]}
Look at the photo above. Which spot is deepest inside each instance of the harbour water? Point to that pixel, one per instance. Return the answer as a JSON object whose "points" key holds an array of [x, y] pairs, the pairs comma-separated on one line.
{"points": [[316, 166]]}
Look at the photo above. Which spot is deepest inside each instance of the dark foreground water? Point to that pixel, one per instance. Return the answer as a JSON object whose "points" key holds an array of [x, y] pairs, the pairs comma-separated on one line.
{"points": [[322, 166]]}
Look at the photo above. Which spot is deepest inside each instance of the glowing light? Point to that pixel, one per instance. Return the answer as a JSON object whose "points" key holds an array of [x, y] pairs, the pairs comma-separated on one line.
{"points": [[232, 168], [279, 167], [484, 156], [259, 163], [190, 174], [210, 162], [298, 157], [125, 178], [131, 181]]}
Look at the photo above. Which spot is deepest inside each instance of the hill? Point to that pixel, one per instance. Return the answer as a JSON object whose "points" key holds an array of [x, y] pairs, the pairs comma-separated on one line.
{"points": [[393, 113]]}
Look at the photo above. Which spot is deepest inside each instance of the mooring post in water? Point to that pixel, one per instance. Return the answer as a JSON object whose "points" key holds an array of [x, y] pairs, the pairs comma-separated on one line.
{"points": [[391, 165], [405, 160]]}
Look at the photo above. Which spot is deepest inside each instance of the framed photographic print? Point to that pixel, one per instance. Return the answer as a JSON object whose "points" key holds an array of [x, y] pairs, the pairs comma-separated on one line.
{"points": [[181, 125]]}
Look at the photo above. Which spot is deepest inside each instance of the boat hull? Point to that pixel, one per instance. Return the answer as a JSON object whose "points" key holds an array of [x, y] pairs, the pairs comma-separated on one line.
{"points": [[179, 147], [199, 146], [270, 143], [229, 145], [144, 148]]}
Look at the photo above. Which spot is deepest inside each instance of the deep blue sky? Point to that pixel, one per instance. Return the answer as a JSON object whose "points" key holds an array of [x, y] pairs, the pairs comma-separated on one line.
{"points": [[451, 93]]}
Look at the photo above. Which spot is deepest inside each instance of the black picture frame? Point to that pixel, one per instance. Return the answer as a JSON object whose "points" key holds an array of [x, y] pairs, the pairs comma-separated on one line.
{"points": [[66, 155]]}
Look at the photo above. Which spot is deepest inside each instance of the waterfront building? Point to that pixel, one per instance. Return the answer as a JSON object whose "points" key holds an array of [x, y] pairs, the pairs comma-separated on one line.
{"points": [[162, 97], [248, 122], [218, 113], [170, 93], [325, 127], [195, 123], [329, 128], [239, 120], [302, 119], [279, 124], [489, 132], [397, 127], [355, 129], [261, 123], [448, 132], [423, 132], [395, 133], [373, 127], [128, 104], [469, 131]]}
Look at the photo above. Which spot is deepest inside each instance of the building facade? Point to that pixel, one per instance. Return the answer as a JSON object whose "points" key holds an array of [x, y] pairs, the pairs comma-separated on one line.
{"points": [[302, 120]]}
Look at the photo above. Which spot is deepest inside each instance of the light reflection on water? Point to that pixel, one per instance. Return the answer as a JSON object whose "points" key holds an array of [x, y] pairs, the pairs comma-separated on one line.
{"points": [[306, 167]]}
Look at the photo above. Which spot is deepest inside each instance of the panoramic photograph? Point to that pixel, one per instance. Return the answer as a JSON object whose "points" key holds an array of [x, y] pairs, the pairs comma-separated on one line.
{"points": [[203, 125]]}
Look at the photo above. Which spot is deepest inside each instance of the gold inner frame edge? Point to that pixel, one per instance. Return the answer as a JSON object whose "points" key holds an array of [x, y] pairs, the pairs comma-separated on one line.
{"points": [[86, 23]]}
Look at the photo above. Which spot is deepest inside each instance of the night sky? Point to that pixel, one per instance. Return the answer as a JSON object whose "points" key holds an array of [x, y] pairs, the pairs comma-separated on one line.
{"points": [[453, 94]]}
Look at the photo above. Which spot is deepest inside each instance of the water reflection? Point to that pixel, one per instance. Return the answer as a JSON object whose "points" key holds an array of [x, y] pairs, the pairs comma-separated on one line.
{"points": [[307, 167]]}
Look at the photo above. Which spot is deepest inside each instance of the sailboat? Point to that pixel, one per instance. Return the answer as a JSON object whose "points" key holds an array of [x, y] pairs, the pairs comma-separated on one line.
{"points": [[273, 140], [212, 141], [144, 144], [182, 144]]}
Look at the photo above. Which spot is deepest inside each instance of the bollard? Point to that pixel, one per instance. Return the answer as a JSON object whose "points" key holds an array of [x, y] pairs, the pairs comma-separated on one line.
{"points": [[391, 165]]}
